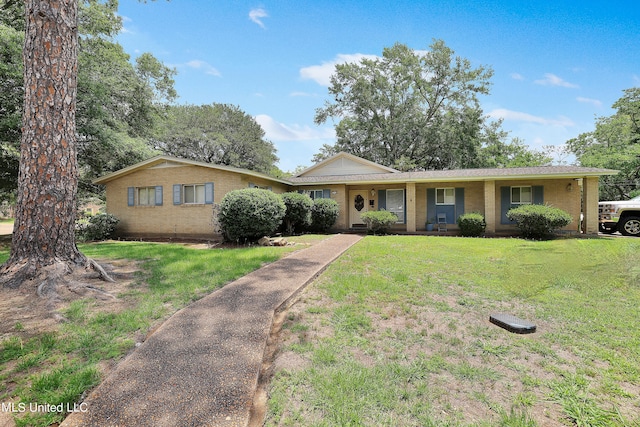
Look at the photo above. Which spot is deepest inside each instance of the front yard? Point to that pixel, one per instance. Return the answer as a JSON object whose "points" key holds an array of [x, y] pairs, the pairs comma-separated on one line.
{"points": [[397, 333], [55, 357], [394, 333]]}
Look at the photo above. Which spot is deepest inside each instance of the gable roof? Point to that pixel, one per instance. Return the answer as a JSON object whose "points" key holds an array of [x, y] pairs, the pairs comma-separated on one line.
{"points": [[345, 164], [168, 161], [361, 171], [538, 172]]}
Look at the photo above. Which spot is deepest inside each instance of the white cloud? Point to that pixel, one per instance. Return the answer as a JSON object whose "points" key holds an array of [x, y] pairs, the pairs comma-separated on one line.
{"points": [[277, 131], [553, 80], [517, 76], [636, 79], [517, 116], [256, 16], [321, 74], [204, 66], [591, 101]]}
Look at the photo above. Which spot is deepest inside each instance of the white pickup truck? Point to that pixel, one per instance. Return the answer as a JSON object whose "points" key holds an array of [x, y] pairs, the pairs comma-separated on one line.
{"points": [[621, 216]]}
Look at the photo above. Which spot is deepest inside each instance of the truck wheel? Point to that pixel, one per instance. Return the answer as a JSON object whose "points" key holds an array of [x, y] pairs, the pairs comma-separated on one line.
{"points": [[630, 226]]}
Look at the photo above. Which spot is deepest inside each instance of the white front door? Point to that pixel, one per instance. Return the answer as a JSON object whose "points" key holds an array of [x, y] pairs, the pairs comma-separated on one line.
{"points": [[358, 204]]}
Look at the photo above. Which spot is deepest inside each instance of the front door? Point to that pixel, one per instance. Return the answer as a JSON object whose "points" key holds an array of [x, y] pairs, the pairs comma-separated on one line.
{"points": [[359, 204]]}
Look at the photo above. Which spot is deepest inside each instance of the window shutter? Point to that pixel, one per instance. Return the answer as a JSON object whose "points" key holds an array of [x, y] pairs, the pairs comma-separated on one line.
{"points": [[208, 193], [382, 199], [431, 205], [326, 193], [505, 204], [177, 194], [459, 204], [130, 196], [159, 195], [537, 194]]}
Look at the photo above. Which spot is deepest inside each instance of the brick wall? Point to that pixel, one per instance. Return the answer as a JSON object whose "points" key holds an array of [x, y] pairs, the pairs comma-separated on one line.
{"points": [[174, 220]]}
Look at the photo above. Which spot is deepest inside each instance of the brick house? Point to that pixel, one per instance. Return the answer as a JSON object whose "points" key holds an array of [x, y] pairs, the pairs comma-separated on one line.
{"points": [[170, 197]]}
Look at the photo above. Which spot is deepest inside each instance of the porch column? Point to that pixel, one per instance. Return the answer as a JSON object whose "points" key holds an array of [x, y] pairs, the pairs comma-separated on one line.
{"points": [[490, 206], [411, 207], [590, 197]]}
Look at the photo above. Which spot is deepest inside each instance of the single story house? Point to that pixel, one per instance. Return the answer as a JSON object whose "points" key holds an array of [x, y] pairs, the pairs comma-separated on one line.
{"points": [[171, 197]]}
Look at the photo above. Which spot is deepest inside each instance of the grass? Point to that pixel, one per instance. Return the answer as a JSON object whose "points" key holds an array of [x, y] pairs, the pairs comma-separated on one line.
{"points": [[396, 332], [59, 367]]}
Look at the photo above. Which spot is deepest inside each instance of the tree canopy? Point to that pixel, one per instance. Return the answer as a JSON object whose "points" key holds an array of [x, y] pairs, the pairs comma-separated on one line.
{"points": [[118, 103], [216, 133], [416, 110], [614, 144]]}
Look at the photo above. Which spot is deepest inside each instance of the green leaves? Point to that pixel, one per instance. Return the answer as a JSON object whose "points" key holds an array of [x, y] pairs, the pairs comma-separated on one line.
{"points": [[614, 144], [416, 110]]}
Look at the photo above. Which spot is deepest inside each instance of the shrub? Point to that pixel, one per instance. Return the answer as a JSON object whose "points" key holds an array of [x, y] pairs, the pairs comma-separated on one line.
{"points": [[324, 214], [250, 214], [472, 224], [538, 221], [379, 221], [298, 213], [98, 227]]}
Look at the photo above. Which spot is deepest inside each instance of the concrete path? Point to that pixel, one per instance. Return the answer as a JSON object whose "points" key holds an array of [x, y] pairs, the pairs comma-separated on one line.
{"points": [[201, 367]]}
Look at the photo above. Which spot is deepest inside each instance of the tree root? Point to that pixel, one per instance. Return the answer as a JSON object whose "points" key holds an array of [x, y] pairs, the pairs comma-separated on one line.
{"points": [[97, 267], [50, 280]]}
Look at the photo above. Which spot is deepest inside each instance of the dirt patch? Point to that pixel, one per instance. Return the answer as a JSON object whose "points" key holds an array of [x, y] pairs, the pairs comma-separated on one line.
{"points": [[484, 365], [25, 315]]}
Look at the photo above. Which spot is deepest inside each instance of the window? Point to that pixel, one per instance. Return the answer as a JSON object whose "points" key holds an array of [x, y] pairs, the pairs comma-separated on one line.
{"points": [[521, 195], [395, 204], [445, 196], [315, 194], [146, 196], [194, 194]]}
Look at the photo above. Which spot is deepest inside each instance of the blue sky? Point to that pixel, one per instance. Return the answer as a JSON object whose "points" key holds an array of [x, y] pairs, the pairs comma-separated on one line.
{"points": [[557, 64]]}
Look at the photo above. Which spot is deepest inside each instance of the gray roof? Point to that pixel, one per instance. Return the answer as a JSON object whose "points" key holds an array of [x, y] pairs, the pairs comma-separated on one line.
{"points": [[458, 175]]}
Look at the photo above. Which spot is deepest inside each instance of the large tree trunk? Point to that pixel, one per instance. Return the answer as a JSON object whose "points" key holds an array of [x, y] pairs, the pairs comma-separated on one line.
{"points": [[43, 244]]}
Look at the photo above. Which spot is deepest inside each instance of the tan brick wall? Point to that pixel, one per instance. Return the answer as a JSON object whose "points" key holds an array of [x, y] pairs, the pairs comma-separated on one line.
{"points": [[555, 194], [188, 220], [170, 219]]}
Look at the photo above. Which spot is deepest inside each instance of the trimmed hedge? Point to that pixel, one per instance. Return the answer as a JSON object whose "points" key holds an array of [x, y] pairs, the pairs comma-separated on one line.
{"points": [[379, 221], [472, 224], [324, 214], [539, 221], [298, 213], [249, 214]]}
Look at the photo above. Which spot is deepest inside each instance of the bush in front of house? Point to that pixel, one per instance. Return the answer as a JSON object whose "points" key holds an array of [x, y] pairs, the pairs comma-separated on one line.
{"points": [[298, 211], [472, 224], [379, 221], [324, 214], [538, 221], [249, 214], [98, 227]]}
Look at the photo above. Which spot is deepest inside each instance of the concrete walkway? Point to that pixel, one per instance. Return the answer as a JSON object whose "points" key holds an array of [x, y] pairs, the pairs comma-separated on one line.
{"points": [[201, 367]]}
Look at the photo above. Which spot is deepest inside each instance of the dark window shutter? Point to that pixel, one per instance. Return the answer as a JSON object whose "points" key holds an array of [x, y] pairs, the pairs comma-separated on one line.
{"points": [[431, 205], [131, 196], [537, 195], [382, 199], [505, 204], [326, 193], [459, 204], [208, 193], [159, 195], [177, 194]]}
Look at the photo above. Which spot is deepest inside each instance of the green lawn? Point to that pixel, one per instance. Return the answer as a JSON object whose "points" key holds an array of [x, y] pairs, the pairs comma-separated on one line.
{"points": [[58, 367], [396, 333]]}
